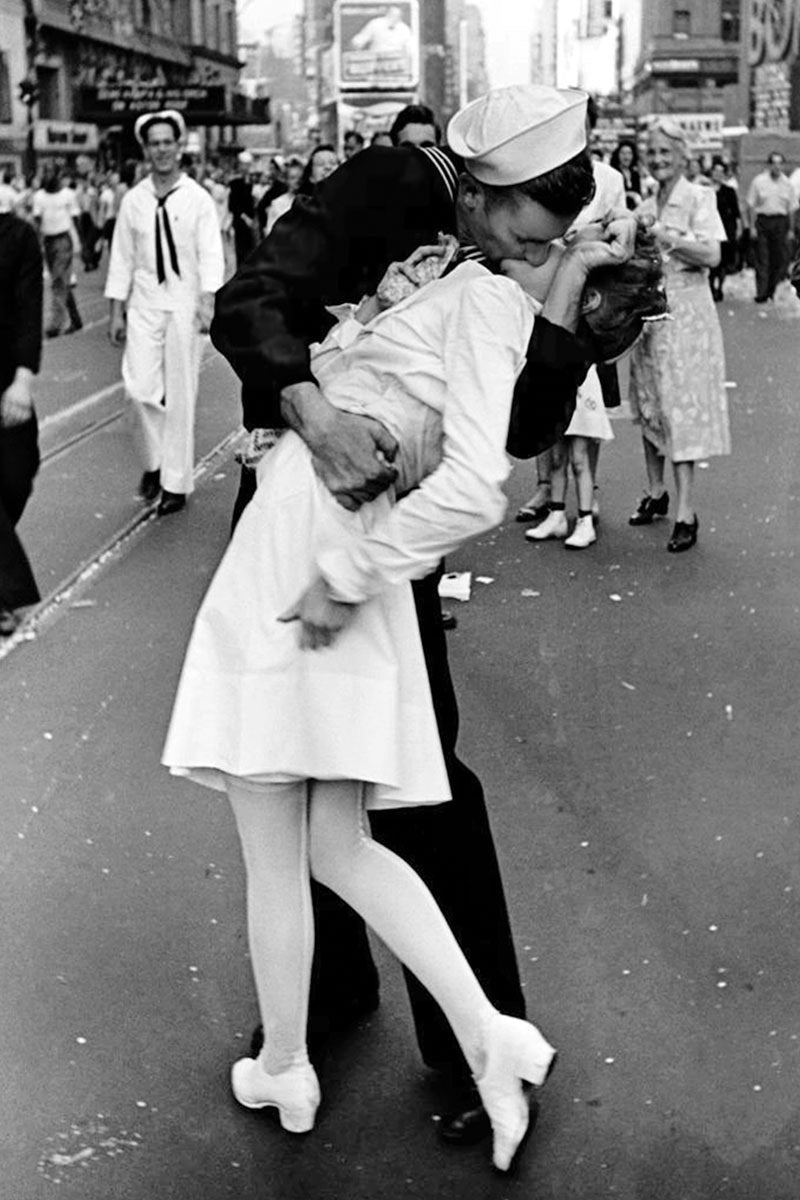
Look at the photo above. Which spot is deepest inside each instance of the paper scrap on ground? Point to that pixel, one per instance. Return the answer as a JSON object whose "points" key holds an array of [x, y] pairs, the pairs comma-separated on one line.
{"points": [[455, 585]]}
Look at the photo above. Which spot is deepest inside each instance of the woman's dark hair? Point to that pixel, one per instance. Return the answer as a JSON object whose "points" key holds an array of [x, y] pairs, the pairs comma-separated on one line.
{"points": [[413, 114], [51, 178], [630, 294], [614, 160], [564, 191], [306, 187]]}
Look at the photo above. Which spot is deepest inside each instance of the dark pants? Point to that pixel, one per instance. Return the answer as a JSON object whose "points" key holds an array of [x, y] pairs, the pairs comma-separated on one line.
{"points": [[451, 848], [19, 462], [90, 241], [58, 256], [772, 254]]}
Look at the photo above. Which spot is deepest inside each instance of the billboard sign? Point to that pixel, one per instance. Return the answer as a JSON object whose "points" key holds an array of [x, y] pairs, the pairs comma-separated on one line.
{"points": [[111, 102], [378, 45]]}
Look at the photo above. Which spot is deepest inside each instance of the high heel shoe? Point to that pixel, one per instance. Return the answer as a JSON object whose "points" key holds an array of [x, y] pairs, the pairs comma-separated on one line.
{"points": [[295, 1093], [515, 1051]]}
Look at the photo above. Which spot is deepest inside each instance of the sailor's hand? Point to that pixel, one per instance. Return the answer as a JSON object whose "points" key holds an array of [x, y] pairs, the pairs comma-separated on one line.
{"points": [[116, 329], [205, 311], [16, 403], [352, 454]]}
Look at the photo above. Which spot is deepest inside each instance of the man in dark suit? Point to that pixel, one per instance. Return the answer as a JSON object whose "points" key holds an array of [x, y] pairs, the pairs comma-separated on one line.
{"points": [[20, 355], [335, 247]]}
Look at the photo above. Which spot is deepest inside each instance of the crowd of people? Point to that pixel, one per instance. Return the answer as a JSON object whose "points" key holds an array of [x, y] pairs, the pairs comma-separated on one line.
{"points": [[400, 324]]}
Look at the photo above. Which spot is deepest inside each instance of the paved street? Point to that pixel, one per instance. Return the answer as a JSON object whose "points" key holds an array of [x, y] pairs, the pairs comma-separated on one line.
{"points": [[634, 716]]}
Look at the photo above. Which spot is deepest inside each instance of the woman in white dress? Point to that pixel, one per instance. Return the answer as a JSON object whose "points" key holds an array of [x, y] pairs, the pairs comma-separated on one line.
{"points": [[304, 742], [677, 388]]}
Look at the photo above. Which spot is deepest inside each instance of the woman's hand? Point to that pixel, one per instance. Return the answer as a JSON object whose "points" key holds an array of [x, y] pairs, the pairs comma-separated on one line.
{"points": [[321, 618]]}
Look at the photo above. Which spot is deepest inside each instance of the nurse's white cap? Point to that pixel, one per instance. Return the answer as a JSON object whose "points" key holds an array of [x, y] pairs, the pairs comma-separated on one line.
{"points": [[517, 133], [168, 116]]}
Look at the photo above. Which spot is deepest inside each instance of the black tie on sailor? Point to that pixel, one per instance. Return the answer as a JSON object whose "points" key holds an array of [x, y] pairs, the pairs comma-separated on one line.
{"points": [[161, 210]]}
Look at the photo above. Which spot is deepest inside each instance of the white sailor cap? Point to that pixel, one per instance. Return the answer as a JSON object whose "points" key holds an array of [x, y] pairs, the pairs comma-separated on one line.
{"points": [[168, 116], [517, 133]]}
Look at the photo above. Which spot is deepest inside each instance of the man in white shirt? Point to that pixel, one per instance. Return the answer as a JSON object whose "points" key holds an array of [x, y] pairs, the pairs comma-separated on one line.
{"points": [[771, 204], [55, 213], [166, 265]]}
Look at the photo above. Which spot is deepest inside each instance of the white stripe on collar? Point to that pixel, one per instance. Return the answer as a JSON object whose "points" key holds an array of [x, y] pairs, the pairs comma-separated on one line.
{"points": [[445, 167]]}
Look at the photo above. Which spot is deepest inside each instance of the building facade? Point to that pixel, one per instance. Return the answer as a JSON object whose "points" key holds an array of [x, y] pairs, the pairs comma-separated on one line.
{"points": [[681, 56], [96, 64]]}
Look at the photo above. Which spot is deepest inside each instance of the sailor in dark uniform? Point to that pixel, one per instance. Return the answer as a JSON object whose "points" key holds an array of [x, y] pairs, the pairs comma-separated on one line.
{"points": [[333, 248]]}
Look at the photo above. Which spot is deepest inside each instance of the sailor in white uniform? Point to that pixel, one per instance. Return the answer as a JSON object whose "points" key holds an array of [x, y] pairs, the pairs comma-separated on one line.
{"points": [[166, 264]]}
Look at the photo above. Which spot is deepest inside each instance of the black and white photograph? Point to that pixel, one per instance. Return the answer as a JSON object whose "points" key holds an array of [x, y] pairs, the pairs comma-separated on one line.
{"points": [[399, 600]]}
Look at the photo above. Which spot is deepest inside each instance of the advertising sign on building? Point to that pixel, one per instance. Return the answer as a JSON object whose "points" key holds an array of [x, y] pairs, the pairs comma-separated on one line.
{"points": [[109, 103], [378, 45], [65, 137]]}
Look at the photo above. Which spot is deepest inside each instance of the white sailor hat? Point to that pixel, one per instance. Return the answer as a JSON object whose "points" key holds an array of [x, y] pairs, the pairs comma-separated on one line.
{"points": [[168, 116], [517, 133]]}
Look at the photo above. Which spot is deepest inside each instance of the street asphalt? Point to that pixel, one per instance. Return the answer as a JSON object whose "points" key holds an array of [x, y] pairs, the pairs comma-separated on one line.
{"points": [[634, 718]]}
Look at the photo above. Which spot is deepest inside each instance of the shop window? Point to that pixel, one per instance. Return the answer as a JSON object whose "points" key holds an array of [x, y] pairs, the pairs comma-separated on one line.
{"points": [[681, 22], [731, 28], [5, 90]]}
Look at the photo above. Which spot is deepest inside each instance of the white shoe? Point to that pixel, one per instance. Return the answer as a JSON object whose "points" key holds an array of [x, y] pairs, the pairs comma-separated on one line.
{"points": [[553, 526], [515, 1051], [583, 534], [295, 1093]]}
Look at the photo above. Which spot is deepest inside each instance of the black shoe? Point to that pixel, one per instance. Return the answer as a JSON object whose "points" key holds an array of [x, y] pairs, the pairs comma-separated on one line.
{"points": [[684, 536], [649, 509], [171, 502], [76, 327], [9, 622], [449, 620], [150, 486], [471, 1124]]}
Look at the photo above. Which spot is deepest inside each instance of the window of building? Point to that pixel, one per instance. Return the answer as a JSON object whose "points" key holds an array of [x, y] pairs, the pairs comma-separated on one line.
{"points": [[202, 39], [731, 30], [5, 90], [681, 22], [49, 93], [232, 48], [217, 27]]}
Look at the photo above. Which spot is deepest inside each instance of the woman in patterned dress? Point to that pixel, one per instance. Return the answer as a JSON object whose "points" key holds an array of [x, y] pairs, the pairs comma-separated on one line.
{"points": [[678, 368]]}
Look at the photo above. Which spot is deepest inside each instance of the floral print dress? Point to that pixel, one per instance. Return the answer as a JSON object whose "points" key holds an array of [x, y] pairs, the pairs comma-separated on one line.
{"points": [[677, 390]]}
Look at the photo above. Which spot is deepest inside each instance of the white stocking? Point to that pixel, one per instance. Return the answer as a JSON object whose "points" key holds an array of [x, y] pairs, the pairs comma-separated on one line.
{"points": [[396, 904], [272, 820]]}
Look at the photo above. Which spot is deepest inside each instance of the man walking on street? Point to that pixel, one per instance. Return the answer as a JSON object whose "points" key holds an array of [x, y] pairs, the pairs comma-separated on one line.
{"points": [[20, 354], [166, 264], [771, 205]]}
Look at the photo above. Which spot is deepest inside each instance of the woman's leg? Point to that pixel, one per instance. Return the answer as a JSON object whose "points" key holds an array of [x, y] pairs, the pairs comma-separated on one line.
{"points": [[580, 459], [391, 897], [273, 829], [583, 535], [394, 901], [555, 523], [684, 486], [654, 465]]}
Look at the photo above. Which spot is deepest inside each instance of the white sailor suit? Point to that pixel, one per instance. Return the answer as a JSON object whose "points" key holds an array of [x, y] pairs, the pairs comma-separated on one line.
{"points": [[164, 254]]}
